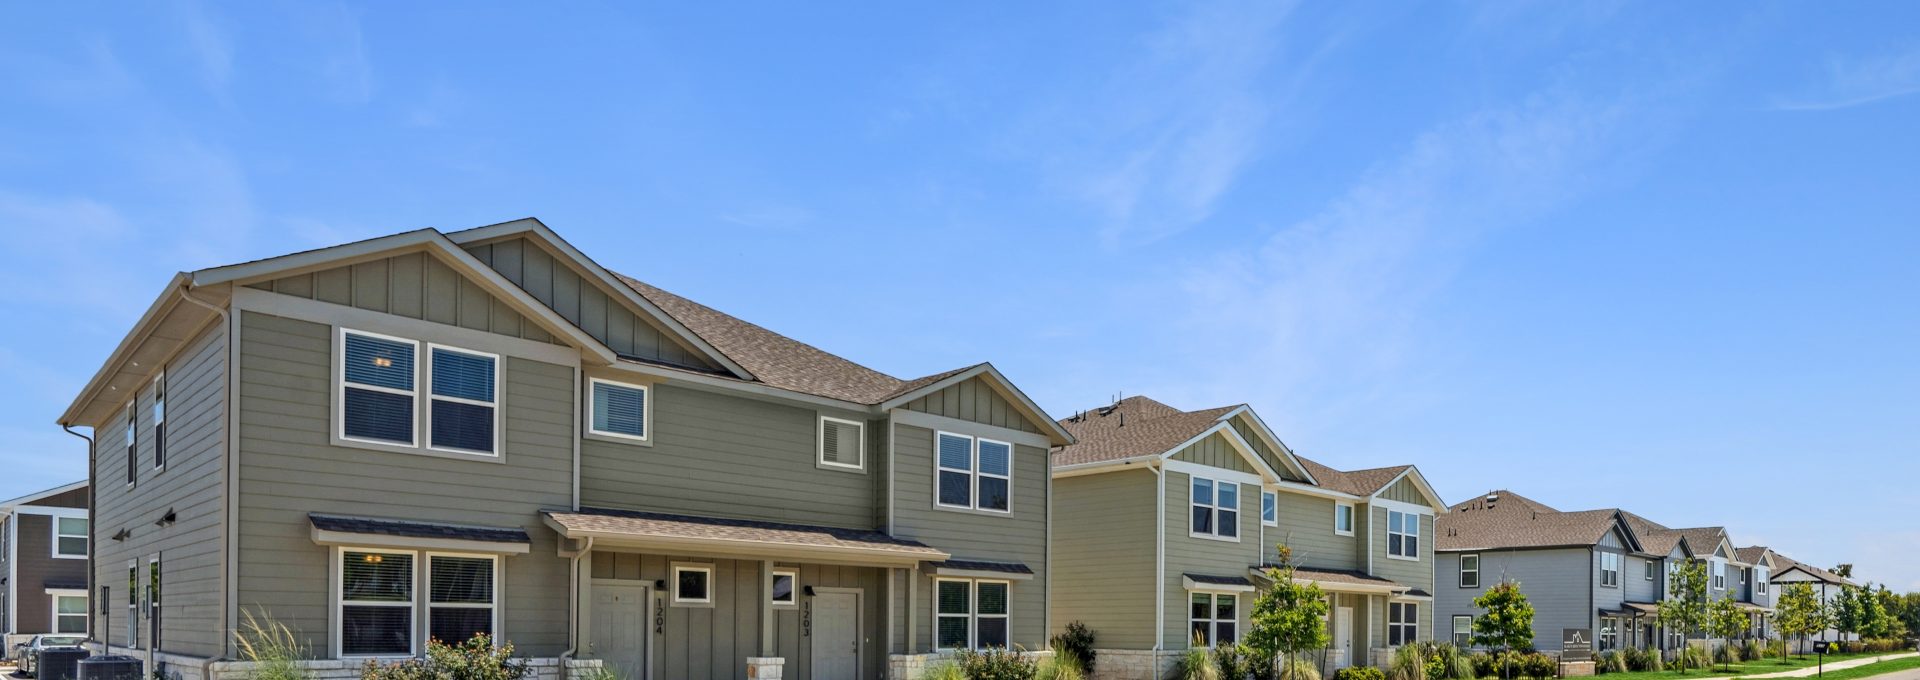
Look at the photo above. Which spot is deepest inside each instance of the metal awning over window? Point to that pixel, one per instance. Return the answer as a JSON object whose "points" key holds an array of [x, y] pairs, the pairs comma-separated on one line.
{"points": [[1207, 582], [398, 533], [1012, 571], [695, 535]]}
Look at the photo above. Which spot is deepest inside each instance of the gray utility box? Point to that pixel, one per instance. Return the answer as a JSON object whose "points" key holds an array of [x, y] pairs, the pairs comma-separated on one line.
{"points": [[110, 668]]}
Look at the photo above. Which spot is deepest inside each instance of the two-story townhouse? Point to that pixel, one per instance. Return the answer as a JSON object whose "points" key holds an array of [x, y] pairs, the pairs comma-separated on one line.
{"points": [[43, 564], [430, 435], [1826, 586], [1168, 519], [1576, 568], [1757, 587], [1664, 551]]}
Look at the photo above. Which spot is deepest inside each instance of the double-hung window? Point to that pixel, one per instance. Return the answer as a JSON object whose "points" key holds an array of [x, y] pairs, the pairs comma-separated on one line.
{"points": [[1403, 623], [70, 537], [1343, 518], [1269, 509], [1403, 534], [1216, 509], [133, 442], [460, 597], [1610, 569], [160, 421], [1462, 631], [1760, 583], [971, 614], [619, 410], [1649, 569], [463, 409], [376, 603], [70, 611], [1213, 618], [842, 444], [377, 395], [1469, 571], [1719, 572], [973, 473]]}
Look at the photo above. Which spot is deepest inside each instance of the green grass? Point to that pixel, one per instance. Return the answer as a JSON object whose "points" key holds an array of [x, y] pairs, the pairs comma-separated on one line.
{"points": [[1758, 666], [1873, 669]]}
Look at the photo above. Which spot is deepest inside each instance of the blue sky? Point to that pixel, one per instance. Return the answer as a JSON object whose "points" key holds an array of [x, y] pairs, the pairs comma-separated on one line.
{"points": [[1656, 256]]}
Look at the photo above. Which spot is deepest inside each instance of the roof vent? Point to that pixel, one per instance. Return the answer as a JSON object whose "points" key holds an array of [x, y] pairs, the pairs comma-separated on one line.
{"points": [[1491, 499]]}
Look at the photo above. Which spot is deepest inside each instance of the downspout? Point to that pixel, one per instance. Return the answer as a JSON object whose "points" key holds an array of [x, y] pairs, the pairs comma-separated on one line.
{"points": [[229, 572], [578, 396], [573, 608], [13, 550], [1159, 557]]}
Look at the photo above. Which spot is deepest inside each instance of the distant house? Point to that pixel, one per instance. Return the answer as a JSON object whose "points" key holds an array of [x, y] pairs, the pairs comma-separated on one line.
{"points": [[43, 563], [1826, 586]]}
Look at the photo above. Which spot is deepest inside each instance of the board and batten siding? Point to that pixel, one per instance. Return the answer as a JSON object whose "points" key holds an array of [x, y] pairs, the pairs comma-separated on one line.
{"points": [[721, 455], [974, 400], [288, 468], [583, 302], [1555, 581], [1243, 425], [189, 549], [415, 286], [1019, 536], [1189, 555], [1306, 525], [1103, 553], [1404, 491], [1216, 451]]}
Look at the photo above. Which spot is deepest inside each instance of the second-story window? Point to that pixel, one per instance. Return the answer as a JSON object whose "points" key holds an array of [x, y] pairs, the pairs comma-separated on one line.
{"points": [[1760, 584], [377, 388], [1719, 572], [1469, 571], [1343, 519], [133, 442], [1269, 508], [463, 410], [1216, 509], [70, 537], [619, 410], [1649, 565], [1403, 534], [1610, 569], [841, 444], [973, 473], [160, 421]]}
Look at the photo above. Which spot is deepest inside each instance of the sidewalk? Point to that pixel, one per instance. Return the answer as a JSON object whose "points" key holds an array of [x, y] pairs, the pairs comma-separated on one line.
{"points": [[1838, 665]]}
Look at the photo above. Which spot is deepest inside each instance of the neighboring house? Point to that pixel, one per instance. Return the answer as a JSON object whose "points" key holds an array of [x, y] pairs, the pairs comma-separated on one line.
{"points": [[1826, 586], [1167, 518], [431, 435], [43, 564]]}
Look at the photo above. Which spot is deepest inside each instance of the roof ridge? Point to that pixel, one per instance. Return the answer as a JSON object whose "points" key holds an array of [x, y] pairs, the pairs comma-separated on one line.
{"points": [[631, 282]]}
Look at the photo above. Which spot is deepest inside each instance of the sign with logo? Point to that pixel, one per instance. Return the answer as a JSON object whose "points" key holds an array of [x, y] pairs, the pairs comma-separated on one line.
{"points": [[1576, 644], [1822, 647]]}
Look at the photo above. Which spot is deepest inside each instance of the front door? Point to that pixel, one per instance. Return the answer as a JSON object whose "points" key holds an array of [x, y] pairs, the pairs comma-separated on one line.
{"points": [[836, 636], [620, 628], [1343, 635]]}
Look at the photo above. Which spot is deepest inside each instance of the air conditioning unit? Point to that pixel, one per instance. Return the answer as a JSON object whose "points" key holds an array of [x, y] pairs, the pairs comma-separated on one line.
{"points": [[111, 668]]}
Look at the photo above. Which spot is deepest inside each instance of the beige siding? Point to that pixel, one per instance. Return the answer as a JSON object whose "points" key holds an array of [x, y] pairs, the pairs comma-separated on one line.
{"points": [[595, 310], [1103, 554], [1243, 425], [1404, 491], [1216, 451], [416, 286], [723, 455], [189, 486], [1306, 525], [1020, 536], [288, 469], [975, 400], [1189, 555]]}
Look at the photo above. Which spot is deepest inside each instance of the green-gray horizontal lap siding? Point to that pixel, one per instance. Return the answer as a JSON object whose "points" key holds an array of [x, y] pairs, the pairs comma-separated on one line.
{"points": [[189, 548], [1215, 451], [1103, 552], [1412, 573], [721, 455], [1020, 536], [416, 286], [599, 312], [1306, 526], [288, 469], [1187, 554], [975, 400]]}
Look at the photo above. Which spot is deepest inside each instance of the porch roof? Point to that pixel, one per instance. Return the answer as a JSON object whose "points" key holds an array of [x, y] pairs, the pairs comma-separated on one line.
{"points": [[751, 539], [1343, 580], [1639, 608]]}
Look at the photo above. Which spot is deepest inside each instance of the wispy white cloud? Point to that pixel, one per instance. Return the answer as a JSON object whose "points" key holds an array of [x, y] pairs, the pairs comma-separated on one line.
{"points": [[1854, 82]]}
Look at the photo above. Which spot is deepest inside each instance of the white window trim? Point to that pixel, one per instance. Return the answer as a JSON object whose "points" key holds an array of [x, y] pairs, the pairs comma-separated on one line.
{"points": [[53, 613], [340, 602], [1266, 495], [1415, 534], [674, 586], [1604, 571], [1213, 610], [973, 614], [979, 474], [426, 571], [54, 520], [428, 397], [159, 420], [1215, 509], [646, 411], [1337, 531], [1649, 569], [1719, 576], [973, 631], [133, 440], [1414, 624], [340, 389], [793, 594], [1475, 570], [1453, 633], [820, 444], [1761, 584], [973, 475]]}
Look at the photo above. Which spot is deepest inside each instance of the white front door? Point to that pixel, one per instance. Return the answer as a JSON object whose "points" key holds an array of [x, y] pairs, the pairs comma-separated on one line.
{"points": [[620, 628], [836, 636], [1343, 635]]}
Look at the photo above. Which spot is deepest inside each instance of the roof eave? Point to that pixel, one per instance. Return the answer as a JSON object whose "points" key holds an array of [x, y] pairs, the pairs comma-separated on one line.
{"points": [[1056, 434], [167, 300]]}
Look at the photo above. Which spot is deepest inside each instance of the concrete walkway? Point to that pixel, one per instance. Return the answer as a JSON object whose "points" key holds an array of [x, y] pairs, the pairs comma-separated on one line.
{"points": [[1809, 671]]}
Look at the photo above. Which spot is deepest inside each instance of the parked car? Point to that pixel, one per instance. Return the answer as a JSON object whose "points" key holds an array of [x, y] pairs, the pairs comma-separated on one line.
{"points": [[29, 651]]}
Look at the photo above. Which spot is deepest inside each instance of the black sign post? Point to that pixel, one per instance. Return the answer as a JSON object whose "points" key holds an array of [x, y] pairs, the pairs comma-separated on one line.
{"points": [[1820, 648], [1576, 644]]}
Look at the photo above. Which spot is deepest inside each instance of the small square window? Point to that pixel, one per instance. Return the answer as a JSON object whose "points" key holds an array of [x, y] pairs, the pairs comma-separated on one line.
{"points": [[785, 583], [842, 444], [619, 410], [693, 585]]}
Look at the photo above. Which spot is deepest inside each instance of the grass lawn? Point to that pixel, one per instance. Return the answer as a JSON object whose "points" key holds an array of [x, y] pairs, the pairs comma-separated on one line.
{"points": [[1769, 665], [1872, 669]]}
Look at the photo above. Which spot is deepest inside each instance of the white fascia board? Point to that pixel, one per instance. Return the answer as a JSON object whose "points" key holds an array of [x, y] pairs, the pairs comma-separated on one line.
{"points": [[1273, 440], [1419, 482]]}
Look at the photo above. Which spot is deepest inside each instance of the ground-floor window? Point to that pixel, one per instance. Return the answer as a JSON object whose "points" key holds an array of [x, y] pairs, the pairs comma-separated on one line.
{"points": [[1609, 634], [70, 612], [1403, 623], [1463, 631], [460, 600], [971, 614], [1213, 618], [380, 603]]}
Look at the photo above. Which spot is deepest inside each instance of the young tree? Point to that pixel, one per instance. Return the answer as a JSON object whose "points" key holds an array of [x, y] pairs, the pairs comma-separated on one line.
{"points": [[1686, 611], [1725, 620], [1289, 618], [1800, 612], [1850, 612], [1506, 620]]}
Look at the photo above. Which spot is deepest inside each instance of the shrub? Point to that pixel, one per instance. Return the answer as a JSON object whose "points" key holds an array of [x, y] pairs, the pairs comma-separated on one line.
{"points": [[272, 647], [1775, 648], [1752, 650], [1725, 654], [1407, 664], [602, 672], [476, 659], [1358, 673], [1231, 662], [1691, 657], [1610, 662], [1655, 662], [1196, 664], [1299, 668], [1077, 645], [996, 664], [1453, 663], [1541, 666], [943, 670], [1058, 667], [1484, 665]]}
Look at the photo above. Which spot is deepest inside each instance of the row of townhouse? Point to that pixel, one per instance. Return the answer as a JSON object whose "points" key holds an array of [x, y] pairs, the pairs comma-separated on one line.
{"points": [[43, 564], [1604, 571]]}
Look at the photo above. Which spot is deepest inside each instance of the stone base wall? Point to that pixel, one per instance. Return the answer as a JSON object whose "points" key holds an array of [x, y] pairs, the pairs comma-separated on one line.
{"points": [[1133, 664], [178, 667], [1576, 669], [914, 666]]}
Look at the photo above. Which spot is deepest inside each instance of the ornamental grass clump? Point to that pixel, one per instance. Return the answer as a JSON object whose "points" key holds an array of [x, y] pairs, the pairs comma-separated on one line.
{"points": [[272, 647]]}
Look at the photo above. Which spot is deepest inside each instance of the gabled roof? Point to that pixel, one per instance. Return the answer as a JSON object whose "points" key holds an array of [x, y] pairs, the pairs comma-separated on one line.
{"points": [[1134, 427], [1754, 555], [1786, 564], [1498, 497], [1705, 540], [8, 505], [1656, 539], [1357, 482], [1517, 526]]}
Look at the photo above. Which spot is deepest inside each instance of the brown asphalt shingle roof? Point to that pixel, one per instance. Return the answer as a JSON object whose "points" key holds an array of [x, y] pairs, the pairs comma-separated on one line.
{"points": [[1357, 482], [1351, 577], [1703, 540], [663, 525], [778, 360], [1134, 427], [1751, 554], [1655, 538], [1783, 563], [1517, 526]]}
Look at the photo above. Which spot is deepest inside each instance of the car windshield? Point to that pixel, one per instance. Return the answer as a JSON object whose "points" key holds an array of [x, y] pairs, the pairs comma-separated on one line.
{"points": [[60, 641]]}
